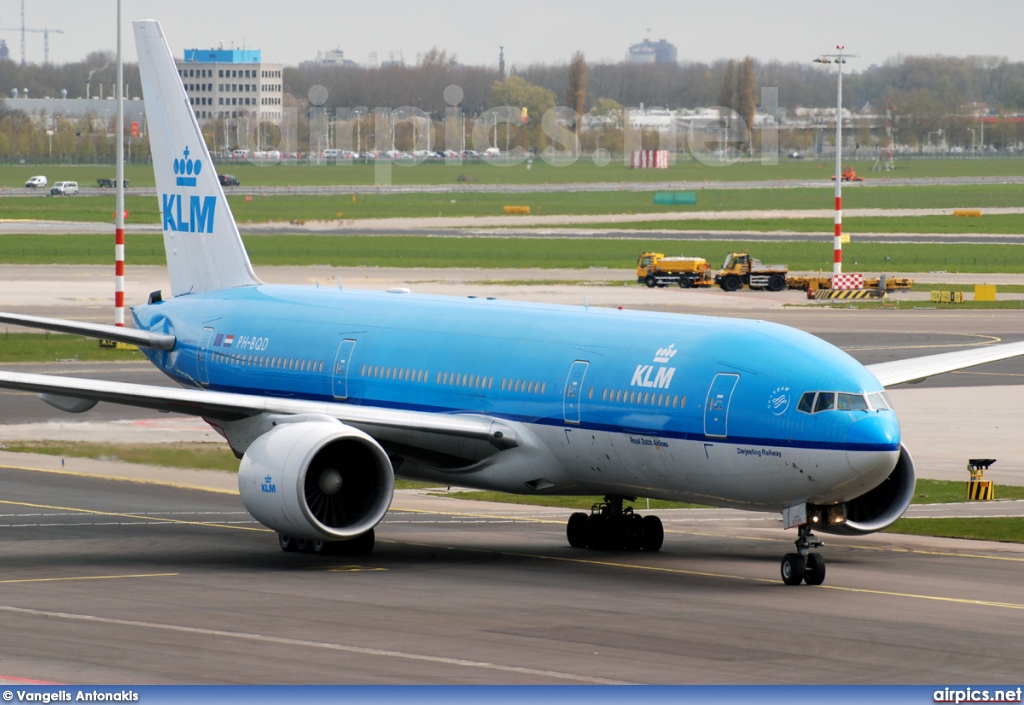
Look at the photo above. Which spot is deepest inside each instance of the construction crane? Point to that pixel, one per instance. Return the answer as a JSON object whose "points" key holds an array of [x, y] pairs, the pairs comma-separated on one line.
{"points": [[46, 36], [46, 40]]}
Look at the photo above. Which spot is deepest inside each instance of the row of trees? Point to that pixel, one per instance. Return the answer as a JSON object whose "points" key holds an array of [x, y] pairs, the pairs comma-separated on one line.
{"points": [[952, 82], [71, 142], [936, 99]]}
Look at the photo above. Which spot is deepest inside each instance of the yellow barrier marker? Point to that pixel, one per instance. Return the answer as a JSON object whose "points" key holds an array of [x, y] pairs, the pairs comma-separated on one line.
{"points": [[113, 345], [978, 488], [984, 292], [967, 212], [517, 210]]}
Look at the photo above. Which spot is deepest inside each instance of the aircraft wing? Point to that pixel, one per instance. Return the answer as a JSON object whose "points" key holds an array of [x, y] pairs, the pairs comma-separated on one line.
{"points": [[919, 368], [119, 334], [229, 406]]}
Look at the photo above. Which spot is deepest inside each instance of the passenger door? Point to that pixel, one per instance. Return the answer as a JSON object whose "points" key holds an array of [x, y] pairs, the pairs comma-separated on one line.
{"points": [[716, 409], [342, 362], [203, 355], [574, 391]]}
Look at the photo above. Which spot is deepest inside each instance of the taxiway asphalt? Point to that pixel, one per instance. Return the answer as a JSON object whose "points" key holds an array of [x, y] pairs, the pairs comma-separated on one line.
{"points": [[157, 579], [108, 581]]}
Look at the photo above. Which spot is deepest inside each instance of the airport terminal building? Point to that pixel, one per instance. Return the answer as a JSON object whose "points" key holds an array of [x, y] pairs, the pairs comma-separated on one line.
{"points": [[231, 83]]}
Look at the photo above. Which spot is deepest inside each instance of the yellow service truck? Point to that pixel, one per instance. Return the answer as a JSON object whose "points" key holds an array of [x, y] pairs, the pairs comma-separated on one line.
{"points": [[655, 269], [740, 269]]}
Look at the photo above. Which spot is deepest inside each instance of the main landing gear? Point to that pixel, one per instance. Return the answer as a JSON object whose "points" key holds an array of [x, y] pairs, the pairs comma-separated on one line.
{"points": [[609, 527], [804, 566], [361, 545]]}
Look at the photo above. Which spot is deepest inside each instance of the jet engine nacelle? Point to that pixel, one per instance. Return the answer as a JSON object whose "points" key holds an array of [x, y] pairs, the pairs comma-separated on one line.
{"points": [[316, 480], [875, 509]]}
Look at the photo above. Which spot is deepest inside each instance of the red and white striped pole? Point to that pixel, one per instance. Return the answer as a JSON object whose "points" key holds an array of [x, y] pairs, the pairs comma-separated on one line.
{"points": [[119, 215], [837, 247], [837, 266], [119, 274]]}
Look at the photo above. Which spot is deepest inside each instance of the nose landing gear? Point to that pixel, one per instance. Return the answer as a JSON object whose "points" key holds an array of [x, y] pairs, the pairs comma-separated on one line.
{"points": [[804, 566]]}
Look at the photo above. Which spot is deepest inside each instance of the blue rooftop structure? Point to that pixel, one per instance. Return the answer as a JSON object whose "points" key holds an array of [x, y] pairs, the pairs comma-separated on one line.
{"points": [[222, 56]]}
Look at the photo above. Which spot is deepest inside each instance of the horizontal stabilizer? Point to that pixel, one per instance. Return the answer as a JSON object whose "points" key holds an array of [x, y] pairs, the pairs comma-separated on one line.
{"points": [[144, 339], [918, 368]]}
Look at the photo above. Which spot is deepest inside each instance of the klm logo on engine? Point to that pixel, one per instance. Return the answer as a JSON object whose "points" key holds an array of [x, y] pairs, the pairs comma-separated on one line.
{"points": [[194, 215], [268, 485], [656, 377]]}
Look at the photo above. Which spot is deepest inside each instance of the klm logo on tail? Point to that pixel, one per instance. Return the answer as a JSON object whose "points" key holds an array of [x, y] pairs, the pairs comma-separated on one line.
{"points": [[197, 214]]}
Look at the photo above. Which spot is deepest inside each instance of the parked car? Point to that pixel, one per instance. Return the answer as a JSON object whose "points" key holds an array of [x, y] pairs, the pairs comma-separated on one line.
{"points": [[228, 179], [36, 182], [109, 183], [339, 154], [64, 188]]}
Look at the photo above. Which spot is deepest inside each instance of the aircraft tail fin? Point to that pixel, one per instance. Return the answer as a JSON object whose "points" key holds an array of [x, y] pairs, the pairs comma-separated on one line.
{"points": [[204, 249]]}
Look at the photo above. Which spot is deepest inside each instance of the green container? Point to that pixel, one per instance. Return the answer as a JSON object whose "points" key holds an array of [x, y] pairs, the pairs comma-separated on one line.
{"points": [[675, 198]]}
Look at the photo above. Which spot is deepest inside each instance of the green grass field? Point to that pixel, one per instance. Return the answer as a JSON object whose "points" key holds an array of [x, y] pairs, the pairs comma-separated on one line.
{"points": [[925, 224], [544, 253], [928, 492], [50, 347], [1007, 529], [195, 456], [582, 171], [262, 209]]}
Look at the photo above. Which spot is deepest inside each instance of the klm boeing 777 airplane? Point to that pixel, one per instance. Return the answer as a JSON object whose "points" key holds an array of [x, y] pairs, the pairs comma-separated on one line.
{"points": [[327, 395]]}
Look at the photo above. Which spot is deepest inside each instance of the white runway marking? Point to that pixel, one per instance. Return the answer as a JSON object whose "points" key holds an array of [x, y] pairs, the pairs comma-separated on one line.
{"points": [[302, 643]]}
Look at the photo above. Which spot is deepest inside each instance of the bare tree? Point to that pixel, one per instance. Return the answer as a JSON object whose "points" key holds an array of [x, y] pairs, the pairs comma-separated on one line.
{"points": [[576, 87], [727, 86], [746, 96]]}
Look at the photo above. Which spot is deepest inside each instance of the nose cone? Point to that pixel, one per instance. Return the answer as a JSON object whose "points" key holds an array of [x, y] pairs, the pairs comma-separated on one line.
{"points": [[873, 446], [876, 431]]}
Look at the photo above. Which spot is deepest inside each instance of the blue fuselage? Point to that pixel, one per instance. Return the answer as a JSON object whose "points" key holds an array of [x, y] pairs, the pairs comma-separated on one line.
{"points": [[646, 383]]}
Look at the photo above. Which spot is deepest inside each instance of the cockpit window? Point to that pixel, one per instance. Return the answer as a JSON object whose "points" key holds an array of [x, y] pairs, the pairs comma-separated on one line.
{"points": [[806, 404], [879, 401], [825, 401], [813, 402], [852, 402]]}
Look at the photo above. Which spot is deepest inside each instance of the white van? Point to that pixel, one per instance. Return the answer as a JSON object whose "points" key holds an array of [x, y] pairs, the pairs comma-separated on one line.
{"points": [[64, 188], [36, 182]]}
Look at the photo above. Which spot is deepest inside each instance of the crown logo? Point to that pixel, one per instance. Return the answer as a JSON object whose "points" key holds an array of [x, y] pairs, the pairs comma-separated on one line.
{"points": [[187, 169], [268, 479], [665, 354]]}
